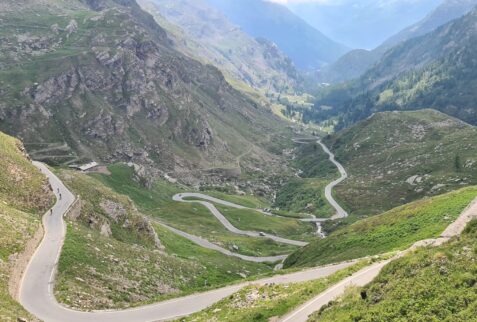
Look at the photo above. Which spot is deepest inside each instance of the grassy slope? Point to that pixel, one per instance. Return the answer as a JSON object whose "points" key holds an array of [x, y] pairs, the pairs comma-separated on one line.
{"points": [[125, 269], [396, 229], [192, 218], [246, 219], [303, 196], [306, 193], [16, 228], [98, 272], [219, 269], [126, 223], [249, 201], [21, 185], [261, 303], [437, 284], [383, 152], [23, 197]]}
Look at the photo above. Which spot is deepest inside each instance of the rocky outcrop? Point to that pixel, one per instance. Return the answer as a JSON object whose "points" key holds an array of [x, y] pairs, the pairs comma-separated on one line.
{"points": [[53, 90], [127, 220], [72, 27], [123, 93]]}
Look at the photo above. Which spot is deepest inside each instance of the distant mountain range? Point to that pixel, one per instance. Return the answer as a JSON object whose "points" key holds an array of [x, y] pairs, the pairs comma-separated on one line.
{"points": [[305, 45], [357, 62], [204, 33], [437, 70], [362, 23]]}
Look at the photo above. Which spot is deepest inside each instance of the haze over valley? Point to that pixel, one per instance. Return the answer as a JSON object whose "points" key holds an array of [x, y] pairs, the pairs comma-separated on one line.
{"points": [[252, 160]]}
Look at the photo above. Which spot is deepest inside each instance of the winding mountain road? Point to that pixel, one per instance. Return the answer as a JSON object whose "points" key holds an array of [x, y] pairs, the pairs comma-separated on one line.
{"points": [[367, 274], [227, 224], [206, 201], [340, 212], [207, 244], [36, 288]]}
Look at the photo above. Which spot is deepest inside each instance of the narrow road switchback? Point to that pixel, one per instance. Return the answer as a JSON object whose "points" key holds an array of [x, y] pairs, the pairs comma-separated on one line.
{"points": [[37, 285]]}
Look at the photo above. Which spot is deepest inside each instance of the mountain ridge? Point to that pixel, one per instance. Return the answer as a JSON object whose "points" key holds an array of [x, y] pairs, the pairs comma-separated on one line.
{"points": [[355, 63], [204, 33], [435, 71], [76, 87], [306, 46], [361, 24]]}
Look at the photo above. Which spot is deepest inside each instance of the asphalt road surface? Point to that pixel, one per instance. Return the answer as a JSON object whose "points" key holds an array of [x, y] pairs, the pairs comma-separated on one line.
{"points": [[340, 212], [367, 274], [36, 289], [207, 244], [227, 224]]}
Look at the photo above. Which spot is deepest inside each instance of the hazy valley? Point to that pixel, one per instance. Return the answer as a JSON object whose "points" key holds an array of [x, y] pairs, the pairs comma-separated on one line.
{"points": [[216, 160]]}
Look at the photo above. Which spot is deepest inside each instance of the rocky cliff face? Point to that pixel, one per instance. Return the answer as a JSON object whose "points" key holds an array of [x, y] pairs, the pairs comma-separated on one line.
{"points": [[99, 79]]}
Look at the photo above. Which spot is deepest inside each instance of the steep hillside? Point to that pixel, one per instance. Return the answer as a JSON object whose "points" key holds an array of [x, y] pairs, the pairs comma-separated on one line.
{"points": [[435, 284], [397, 157], [24, 196], [420, 51], [22, 186], [204, 33], [351, 65], [115, 257], [394, 230], [269, 302], [357, 62], [306, 46], [100, 80], [448, 10], [437, 70]]}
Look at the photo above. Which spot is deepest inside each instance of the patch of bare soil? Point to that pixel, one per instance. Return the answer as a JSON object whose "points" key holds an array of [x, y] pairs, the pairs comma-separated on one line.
{"points": [[100, 169]]}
